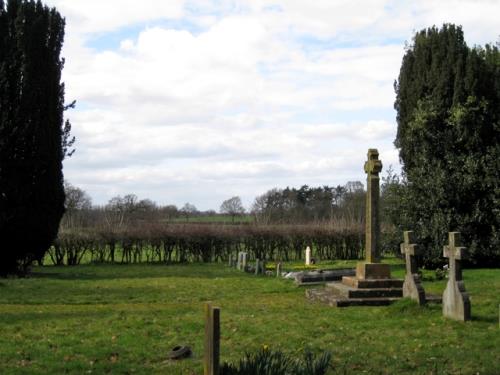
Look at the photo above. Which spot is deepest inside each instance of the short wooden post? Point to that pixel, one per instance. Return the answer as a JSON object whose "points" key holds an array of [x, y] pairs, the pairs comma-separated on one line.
{"points": [[278, 269], [212, 340]]}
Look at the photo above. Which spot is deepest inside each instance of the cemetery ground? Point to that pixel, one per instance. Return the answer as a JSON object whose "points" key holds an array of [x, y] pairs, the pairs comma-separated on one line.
{"points": [[124, 319]]}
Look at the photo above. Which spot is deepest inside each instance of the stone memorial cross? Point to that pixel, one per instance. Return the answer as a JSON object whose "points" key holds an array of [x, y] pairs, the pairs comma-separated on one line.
{"points": [[456, 303], [373, 166], [412, 286]]}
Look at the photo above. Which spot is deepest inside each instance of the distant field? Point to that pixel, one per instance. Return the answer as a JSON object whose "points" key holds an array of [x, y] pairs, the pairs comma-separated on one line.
{"points": [[123, 319], [215, 219]]}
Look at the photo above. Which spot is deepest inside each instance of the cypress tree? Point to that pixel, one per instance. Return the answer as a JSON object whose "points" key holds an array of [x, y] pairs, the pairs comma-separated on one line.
{"points": [[33, 136], [448, 115]]}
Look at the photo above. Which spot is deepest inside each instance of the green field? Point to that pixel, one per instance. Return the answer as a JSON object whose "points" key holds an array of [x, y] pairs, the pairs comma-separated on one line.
{"points": [[123, 319], [214, 219]]}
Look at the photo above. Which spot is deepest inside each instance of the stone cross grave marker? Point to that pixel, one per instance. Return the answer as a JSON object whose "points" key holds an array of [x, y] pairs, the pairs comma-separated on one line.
{"points": [[308, 256], [456, 303], [412, 286], [212, 340], [371, 268], [373, 166]]}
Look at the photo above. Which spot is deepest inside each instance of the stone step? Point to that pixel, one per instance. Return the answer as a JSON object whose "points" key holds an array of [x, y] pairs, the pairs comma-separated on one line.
{"points": [[328, 297], [346, 291], [372, 283]]}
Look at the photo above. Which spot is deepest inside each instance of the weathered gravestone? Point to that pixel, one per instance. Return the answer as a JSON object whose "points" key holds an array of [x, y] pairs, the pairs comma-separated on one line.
{"points": [[412, 286], [238, 262], [257, 266], [308, 256], [278, 269], [260, 266], [231, 262], [456, 303], [242, 260], [212, 340]]}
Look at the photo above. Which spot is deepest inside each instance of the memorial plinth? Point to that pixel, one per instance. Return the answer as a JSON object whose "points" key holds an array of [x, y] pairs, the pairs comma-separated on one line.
{"points": [[372, 284]]}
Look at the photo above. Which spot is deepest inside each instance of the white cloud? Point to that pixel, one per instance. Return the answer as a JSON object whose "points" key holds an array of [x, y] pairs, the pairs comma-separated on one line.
{"points": [[259, 94]]}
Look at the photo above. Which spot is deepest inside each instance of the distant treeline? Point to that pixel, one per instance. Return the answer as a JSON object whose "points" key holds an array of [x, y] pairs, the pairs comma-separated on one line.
{"points": [[304, 205]]}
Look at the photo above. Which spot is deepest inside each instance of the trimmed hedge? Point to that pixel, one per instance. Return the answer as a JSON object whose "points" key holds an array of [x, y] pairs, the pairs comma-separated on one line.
{"points": [[204, 243]]}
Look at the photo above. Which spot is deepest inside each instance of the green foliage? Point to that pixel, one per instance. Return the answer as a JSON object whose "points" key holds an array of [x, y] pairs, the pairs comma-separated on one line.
{"points": [[269, 362], [33, 136], [448, 114], [311, 204]]}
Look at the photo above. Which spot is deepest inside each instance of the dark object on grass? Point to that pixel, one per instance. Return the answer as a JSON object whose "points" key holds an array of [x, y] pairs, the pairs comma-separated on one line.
{"points": [[179, 352], [268, 362]]}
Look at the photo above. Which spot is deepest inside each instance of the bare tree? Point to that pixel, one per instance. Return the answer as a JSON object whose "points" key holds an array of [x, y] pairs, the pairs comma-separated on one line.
{"points": [[233, 207], [77, 202], [188, 210], [119, 209]]}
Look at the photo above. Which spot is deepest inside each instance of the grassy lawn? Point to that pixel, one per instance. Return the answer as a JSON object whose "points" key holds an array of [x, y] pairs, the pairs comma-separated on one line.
{"points": [[124, 319]]}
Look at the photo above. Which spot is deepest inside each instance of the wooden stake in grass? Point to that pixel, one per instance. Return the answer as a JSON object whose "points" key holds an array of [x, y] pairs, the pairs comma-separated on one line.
{"points": [[212, 340]]}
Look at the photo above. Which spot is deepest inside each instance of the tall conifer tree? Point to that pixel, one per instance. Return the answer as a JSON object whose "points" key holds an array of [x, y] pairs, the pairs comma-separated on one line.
{"points": [[448, 115], [33, 136]]}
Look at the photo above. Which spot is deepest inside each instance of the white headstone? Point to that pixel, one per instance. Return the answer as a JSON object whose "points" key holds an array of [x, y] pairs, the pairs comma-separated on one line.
{"points": [[308, 256]]}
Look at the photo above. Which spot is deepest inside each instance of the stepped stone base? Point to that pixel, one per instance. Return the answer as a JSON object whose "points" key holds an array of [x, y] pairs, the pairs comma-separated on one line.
{"points": [[372, 286], [329, 297], [373, 271]]}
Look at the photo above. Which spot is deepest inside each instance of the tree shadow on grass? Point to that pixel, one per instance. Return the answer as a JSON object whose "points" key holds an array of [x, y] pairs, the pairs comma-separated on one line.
{"points": [[130, 271]]}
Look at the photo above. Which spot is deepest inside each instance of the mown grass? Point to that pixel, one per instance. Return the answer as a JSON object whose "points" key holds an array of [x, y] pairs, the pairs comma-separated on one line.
{"points": [[123, 319]]}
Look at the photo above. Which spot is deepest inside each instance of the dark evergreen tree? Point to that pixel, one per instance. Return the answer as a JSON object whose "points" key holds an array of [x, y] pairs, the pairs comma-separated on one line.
{"points": [[448, 115], [33, 136]]}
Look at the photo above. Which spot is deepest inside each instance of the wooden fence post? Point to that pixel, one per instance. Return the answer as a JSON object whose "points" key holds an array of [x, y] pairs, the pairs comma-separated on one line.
{"points": [[212, 340]]}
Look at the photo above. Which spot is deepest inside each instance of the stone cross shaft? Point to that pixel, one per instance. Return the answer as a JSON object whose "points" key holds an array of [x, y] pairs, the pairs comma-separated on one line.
{"points": [[455, 253], [373, 166], [409, 249]]}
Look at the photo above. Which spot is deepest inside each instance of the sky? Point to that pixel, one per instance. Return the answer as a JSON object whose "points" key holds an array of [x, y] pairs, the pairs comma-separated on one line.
{"points": [[199, 101]]}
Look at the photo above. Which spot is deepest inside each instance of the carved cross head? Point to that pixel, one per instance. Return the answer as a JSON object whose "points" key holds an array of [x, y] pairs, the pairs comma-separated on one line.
{"points": [[408, 246], [453, 250], [373, 165]]}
